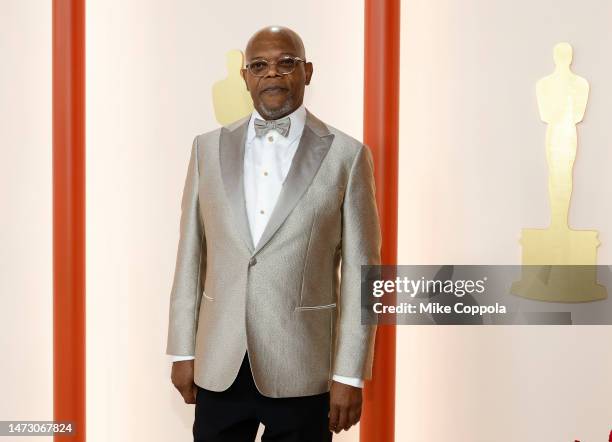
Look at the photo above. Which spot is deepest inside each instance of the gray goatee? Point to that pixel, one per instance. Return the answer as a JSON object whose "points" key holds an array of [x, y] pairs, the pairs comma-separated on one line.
{"points": [[274, 114]]}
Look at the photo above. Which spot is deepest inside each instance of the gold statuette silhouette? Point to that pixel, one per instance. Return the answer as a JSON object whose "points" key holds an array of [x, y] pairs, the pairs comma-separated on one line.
{"points": [[231, 100], [559, 262]]}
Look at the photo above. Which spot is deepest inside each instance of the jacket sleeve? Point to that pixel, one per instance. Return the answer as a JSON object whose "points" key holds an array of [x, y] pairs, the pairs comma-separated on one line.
{"points": [[190, 268], [361, 240]]}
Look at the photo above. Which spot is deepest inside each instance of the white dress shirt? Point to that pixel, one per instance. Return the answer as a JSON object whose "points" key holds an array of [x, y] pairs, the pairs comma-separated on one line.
{"points": [[267, 160]]}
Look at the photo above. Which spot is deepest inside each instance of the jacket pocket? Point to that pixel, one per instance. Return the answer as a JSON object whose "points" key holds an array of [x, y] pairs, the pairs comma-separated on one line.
{"points": [[317, 307]]}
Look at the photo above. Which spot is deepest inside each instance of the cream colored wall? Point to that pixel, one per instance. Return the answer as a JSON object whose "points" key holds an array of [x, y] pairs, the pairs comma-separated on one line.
{"points": [[473, 173], [150, 69], [471, 144], [26, 309]]}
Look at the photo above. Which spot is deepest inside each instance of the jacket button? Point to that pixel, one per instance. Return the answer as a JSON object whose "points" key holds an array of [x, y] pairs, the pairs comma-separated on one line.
{"points": [[252, 261]]}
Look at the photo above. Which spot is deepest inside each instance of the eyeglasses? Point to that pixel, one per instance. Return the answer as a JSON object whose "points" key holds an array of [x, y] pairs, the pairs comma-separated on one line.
{"points": [[284, 66]]}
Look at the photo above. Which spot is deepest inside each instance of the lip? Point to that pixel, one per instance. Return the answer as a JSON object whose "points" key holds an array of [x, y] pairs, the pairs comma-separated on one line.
{"points": [[273, 90]]}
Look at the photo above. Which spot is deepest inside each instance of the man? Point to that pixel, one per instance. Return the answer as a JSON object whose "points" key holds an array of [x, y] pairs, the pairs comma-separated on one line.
{"points": [[274, 205]]}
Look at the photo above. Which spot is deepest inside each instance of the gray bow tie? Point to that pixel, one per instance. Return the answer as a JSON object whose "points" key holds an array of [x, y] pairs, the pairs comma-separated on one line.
{"points": [[281, 126]]}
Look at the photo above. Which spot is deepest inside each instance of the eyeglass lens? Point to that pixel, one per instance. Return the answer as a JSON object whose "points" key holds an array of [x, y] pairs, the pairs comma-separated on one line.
{"points": [[283, 66]]}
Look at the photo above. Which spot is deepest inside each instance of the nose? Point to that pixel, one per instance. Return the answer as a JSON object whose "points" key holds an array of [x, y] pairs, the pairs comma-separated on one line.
{"points": [[272, 68]]}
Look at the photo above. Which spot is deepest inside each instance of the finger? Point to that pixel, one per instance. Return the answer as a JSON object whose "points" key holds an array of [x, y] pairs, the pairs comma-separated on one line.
{"points": [[354, 416], [188, 395], [342, 420], [333, 417]]}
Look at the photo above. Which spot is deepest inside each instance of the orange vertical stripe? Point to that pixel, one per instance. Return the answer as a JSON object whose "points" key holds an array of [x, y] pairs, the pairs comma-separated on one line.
{"points": [[68, 45], [381, 133]]}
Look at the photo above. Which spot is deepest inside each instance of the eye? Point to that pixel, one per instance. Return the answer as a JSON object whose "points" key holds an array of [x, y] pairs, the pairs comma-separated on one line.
{"points": [[258, 66], [286, 62]]}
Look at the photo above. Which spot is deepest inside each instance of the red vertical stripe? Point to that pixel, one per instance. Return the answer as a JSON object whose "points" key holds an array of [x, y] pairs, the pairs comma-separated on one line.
{"points": [[68, 35], [381, 133]]}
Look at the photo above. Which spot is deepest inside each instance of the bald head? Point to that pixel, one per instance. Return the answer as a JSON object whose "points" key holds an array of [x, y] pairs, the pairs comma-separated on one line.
{"points": [[274, 35]]}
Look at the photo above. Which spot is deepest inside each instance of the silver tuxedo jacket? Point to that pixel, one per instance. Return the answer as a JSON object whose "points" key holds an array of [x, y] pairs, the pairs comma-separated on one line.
{"points": [[293, 300]]}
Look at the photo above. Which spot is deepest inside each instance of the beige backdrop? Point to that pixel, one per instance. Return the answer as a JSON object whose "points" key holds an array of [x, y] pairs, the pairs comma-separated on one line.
{"points": [[473, 173], [26, 309]]}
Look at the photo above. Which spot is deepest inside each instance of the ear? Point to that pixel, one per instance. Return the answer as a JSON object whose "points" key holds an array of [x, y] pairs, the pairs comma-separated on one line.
{"points": [[308, 71], [243, 74]]}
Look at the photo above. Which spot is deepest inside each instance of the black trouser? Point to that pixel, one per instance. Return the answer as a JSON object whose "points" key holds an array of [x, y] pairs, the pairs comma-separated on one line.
{"points": [[234, 415]]}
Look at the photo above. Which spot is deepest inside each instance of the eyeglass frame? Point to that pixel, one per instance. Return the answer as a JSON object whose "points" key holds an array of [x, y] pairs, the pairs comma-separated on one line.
{"points": [[284, 57]]}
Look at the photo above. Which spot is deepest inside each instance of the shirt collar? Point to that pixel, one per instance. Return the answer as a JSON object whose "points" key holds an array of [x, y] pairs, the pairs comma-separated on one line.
{"points": [[297, 117]]}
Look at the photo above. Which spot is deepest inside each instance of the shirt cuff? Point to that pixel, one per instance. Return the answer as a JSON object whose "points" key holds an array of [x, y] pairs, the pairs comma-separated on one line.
{"points": [[181, 358], [355, 382]]}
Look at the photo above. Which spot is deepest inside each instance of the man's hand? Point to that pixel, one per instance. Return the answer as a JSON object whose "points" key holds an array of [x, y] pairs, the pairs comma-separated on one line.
{"points": [[344, 406], [182, 379]]}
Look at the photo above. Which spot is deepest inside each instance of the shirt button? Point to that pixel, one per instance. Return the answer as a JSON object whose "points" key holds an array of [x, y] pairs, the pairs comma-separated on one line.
{"points": [[252, 261], [265, 173], [261, 211], [270, 139]]}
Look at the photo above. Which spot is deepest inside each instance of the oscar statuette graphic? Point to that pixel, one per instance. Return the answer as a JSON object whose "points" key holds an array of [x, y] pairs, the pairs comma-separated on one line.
{"points": [[560, 263], [231, 99]]}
